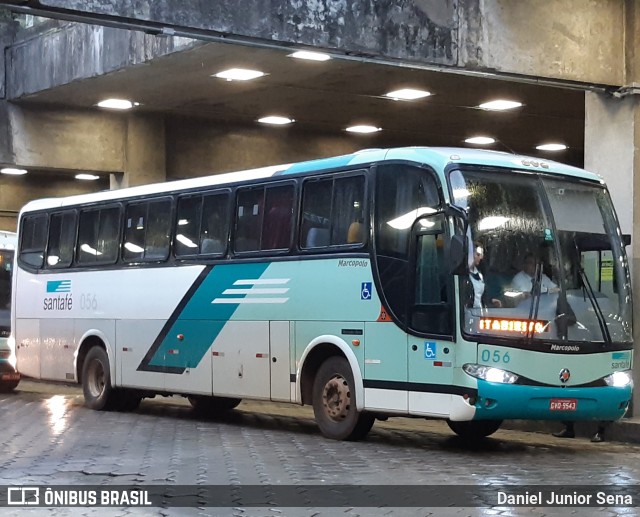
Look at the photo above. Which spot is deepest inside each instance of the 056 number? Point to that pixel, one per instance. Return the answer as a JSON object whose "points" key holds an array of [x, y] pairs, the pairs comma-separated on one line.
{"points": [[496, 357], [88, 302]]}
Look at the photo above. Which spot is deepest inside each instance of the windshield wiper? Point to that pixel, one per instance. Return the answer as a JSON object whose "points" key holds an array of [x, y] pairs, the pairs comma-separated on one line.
{"points": [[596, 306], [536, 292]]}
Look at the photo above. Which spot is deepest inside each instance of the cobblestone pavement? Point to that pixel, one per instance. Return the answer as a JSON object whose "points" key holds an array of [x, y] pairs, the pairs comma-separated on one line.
{"points": [[50, 438]]}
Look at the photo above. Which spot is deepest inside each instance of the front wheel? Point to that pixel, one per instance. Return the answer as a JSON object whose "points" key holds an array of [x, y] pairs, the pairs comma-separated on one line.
{"points": [[334, 402], [474, 429], [96, 381]]}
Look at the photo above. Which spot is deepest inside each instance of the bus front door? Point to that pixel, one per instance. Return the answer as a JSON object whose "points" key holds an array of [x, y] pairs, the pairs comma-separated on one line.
{"points": [[430, 376]]}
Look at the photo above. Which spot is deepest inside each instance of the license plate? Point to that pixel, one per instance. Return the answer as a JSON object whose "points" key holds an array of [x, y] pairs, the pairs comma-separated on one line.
{"points": [[10, 376], [563, 404]]}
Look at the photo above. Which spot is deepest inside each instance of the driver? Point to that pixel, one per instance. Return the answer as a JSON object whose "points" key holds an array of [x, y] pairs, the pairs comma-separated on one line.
{"points": [[523, 281]]}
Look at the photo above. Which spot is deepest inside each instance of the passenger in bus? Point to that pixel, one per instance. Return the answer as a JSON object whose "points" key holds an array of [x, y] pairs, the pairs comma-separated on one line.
{"points": [[569, 431], [477, 297], [523, 281]]}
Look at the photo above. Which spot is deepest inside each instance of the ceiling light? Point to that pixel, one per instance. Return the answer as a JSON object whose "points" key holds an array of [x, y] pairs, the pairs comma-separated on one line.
{"points": [[500, 105], [275, 120], [117, 104], [480, 140], [363, 129], [407, 94], [239, 74], [89, 177], [310, 56], [551, 147], [13, 171]]}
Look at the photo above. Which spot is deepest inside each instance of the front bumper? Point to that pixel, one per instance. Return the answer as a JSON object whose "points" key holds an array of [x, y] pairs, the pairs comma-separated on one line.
{"points": [[497, 401]]}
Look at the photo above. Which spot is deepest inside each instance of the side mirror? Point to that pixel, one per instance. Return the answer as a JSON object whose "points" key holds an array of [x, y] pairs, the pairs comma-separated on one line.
{"points": [[458, 255], [626, 239]]}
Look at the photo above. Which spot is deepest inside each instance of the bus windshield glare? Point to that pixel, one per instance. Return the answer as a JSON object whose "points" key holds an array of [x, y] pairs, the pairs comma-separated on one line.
{"points": [[549, 255]]}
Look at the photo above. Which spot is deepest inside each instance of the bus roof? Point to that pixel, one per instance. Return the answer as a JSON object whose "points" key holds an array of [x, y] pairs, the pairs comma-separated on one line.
{"points": [[437, 157]]}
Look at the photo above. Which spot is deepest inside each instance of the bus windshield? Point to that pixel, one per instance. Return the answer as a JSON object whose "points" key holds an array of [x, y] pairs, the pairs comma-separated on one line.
{"points": [[546, 260]]}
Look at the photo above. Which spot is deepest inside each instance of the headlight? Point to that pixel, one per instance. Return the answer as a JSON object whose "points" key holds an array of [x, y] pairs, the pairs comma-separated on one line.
{"points": [[619, 379], [490, 374]]}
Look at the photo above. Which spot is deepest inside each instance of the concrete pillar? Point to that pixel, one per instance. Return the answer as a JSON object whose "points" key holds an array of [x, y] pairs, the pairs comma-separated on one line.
{"points": [[145, 154], [612, 149]]}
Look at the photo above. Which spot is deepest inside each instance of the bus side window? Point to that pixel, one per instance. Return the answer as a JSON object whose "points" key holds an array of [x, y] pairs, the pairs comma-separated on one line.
{"points": [[33, 239], [158, 232], [315, 228], [214, 228], [188, 225], [98, 239], [134, 226], [62, 236], [333, 212], [347, 213], [249, 210], [276, 229]]}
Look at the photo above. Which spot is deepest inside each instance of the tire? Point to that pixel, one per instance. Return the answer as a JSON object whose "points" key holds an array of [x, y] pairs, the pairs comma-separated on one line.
{"points": [[334, 403], [474, 429], [96, 381], [7, 387], [210, 406]]}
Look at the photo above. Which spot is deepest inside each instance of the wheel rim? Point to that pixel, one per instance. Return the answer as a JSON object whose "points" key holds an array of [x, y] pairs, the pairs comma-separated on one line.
{"points": [[336, 398], [96, 378]]}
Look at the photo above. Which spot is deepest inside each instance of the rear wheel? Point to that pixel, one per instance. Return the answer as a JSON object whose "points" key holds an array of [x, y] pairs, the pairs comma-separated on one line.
{"points": [[204, 405], [334, 402], [9, 378], [7, 386], [96, 381], [475, 429]]}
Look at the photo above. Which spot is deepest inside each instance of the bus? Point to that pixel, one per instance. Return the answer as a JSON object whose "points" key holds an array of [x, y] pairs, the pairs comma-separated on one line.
{"points": [[341, 283], [9, 378]]}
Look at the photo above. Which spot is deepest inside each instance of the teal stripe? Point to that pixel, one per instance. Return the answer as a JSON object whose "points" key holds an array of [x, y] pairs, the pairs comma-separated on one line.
{"points": [[200, 321], [319, 165]]}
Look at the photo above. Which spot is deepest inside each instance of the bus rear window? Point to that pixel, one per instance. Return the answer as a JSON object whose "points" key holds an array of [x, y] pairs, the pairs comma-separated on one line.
{"points": [[33, 240]]}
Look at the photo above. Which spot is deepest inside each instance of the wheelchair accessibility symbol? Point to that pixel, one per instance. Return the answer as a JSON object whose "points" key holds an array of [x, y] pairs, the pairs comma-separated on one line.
{"points": [[365, 291], [429, 350]]}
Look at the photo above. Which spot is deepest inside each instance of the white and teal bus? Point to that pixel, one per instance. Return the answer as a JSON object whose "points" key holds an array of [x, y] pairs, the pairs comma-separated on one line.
{"points": [[342, 283], [8, 377]]}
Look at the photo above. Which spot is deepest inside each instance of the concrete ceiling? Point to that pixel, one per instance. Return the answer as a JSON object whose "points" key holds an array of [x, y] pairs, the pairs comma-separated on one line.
{"points": [[328, 96]]}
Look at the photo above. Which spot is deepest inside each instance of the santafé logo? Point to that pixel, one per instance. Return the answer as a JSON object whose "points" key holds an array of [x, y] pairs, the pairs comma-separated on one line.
{"points": [[59, 296], [59, 286]]}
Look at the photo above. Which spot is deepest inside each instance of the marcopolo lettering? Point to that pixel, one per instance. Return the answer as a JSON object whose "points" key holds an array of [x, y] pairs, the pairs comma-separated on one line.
{"points": [[353, 263]]}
